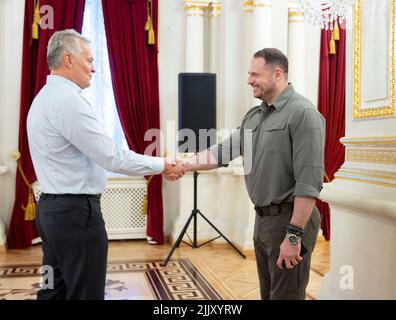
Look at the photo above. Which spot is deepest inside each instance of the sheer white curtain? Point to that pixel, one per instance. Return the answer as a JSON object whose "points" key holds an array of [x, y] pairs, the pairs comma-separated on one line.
{"points": [[100, 94]]}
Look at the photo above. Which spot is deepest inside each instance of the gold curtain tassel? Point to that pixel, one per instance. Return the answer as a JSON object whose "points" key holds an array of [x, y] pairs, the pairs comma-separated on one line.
{"points": [[35, 31], [30, 209], [145, 200], [151, 36], [332, 44], [332, 47], [36, 20], [145, 204], [148, 24]]}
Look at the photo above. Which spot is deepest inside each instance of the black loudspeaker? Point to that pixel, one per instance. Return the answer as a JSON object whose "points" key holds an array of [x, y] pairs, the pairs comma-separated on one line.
{"points": [[197, 111]]}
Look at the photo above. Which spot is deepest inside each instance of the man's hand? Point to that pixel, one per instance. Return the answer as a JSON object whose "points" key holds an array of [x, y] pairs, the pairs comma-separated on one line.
{"points": [[173, 169], [202, 161], [290, 254]]}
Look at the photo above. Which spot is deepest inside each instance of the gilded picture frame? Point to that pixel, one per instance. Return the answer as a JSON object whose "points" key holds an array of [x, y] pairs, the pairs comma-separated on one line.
{"points": [[385, 107]]}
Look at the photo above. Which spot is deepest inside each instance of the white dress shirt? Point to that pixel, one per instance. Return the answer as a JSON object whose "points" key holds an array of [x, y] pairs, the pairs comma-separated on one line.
{"points": [[69, 146]]}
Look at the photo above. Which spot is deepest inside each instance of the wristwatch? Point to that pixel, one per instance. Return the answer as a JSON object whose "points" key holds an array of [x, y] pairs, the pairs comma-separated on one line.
{"points": [[293, 238]]}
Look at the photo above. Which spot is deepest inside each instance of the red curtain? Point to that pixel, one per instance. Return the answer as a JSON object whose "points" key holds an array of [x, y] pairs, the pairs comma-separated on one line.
{"points": [[66, 14], [331, 103], [134, 71]]}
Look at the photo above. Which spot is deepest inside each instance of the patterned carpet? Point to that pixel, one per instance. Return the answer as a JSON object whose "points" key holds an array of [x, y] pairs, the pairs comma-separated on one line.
{"points": [[127, 280]]}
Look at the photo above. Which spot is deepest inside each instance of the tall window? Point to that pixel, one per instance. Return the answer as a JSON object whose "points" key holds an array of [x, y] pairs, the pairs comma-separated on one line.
{"points": [[100, 94]]}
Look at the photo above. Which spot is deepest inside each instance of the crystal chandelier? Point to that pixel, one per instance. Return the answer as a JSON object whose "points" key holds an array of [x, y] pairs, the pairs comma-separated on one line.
{"points": [[324, 13]]}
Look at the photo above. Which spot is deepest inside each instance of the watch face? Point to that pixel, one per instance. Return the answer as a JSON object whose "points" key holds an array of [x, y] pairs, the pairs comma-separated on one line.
{"points": [[293, 239]]}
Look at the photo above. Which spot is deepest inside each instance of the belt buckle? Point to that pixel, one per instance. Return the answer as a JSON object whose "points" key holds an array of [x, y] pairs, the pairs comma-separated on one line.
{"points": [[275, 209]]}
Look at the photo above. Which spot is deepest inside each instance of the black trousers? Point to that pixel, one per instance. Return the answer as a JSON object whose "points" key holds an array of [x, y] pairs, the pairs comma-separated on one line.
{"points": [[269, 233], [74, 245]]}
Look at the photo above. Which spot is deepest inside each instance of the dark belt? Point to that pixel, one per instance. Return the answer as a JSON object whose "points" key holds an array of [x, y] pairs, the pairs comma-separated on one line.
{"points": [[275, 209], [68, 195]]}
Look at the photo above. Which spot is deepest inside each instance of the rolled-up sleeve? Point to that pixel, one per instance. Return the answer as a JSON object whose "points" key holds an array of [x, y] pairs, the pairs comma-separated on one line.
{"points": [[228, 149], [308, 153]]}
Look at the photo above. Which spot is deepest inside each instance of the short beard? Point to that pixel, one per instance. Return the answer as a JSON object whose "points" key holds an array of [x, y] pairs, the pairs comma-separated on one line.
{"points": [[268, 95]]}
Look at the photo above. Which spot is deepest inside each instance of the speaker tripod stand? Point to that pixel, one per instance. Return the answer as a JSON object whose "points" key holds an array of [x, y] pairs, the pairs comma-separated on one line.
{"points": [[193, 216]]}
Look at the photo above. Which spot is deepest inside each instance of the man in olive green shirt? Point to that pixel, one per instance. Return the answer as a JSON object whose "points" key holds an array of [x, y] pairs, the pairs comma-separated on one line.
{"points": [[282, 142]]}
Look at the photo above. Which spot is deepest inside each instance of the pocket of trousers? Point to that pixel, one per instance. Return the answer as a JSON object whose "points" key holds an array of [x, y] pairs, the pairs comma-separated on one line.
{"points": [[67, 212], [95, 214]]}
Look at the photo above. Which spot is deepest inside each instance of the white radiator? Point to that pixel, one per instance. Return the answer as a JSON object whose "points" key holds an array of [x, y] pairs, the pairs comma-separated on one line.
{"points": [[122, 207]]}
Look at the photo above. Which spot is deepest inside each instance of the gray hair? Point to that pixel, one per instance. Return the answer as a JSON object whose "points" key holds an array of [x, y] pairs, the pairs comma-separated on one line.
{"points": [[61, 42]]}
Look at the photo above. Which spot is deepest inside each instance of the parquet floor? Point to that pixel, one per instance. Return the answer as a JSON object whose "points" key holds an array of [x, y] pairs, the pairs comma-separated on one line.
{"points": [[229, 274]]}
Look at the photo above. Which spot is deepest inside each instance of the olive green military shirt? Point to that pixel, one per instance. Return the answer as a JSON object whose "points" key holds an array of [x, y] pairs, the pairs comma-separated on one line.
{"points": [[282, 147]]}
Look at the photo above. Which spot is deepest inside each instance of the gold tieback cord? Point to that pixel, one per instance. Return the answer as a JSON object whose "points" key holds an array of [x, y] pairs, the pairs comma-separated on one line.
{"points": [[149, 23], [36, 20], [145, 200], [30, 209]]}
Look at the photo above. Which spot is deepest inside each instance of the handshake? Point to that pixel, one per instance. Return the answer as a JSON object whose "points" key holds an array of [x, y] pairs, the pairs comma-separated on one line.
{"points": [[174, 169]]}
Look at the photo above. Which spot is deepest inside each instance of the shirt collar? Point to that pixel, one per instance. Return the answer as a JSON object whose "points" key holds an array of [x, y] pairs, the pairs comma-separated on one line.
{"points": [[63, 81], [282, 99]]}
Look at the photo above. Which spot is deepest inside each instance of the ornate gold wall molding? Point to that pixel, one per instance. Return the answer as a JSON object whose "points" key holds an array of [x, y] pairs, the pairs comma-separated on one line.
{"points": [[203, 3], [260, 3], [194, 11], [196, 8], [368, 141], [248, 6], [371, 155], [215, 9], [295, 14], [195, 15], [370, 149], [358, 111]]}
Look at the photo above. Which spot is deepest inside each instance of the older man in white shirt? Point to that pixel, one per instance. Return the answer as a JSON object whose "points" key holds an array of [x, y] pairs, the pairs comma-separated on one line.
{"points": [[70, 151]]}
